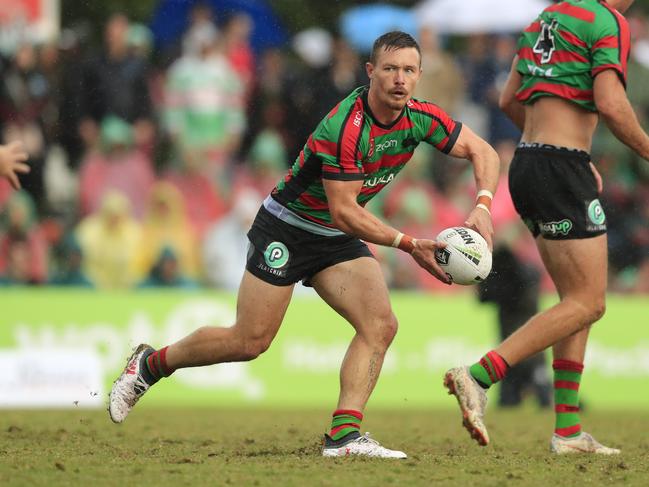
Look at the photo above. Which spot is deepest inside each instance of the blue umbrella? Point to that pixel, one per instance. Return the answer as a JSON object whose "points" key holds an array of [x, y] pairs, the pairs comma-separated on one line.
{"points": [[171, 17], [361, 25]]}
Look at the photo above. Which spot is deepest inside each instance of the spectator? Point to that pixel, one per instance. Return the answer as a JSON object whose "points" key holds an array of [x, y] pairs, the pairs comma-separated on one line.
{"points": [[166, 273], [441, 80], [166, 226], [204, 204], [108, 239], [24, 97], [71, 272], [23, 248], [115, 166], [115, 83], [204, 104], [236, 41], [226, 243]]}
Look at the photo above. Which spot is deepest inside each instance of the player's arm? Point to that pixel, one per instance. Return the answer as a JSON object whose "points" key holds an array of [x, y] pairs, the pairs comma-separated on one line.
{"points": [[12, 161], [350, 217], [616, 111], [508, 102], [486, 167]]}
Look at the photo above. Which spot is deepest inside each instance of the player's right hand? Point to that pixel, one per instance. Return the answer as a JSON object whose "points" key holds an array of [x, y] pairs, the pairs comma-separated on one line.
{"points": [[424, 255], [12, 161]]}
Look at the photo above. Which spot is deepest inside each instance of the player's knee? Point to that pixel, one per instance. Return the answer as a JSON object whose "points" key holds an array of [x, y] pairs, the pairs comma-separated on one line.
{"points": [[596, 310], [385, 330], [253, 347]]}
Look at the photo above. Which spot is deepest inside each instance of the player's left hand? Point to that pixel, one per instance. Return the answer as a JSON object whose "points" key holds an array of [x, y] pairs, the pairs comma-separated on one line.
{"points": [[480, 221]]}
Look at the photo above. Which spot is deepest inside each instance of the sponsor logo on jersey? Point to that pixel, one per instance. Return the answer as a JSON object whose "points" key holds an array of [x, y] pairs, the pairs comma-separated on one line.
{"points": [[358, 118], [386, 145], [375, 181], [540, 72], [556, 228], [276, 255]]}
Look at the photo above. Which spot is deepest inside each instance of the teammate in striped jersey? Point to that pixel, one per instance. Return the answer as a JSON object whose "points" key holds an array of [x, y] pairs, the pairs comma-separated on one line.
{"points": [[570, 69], [313, 228]]}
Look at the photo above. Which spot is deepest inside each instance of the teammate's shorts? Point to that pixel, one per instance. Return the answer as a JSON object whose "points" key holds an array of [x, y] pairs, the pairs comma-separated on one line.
{"points": [[555, 192], [281, 254]]}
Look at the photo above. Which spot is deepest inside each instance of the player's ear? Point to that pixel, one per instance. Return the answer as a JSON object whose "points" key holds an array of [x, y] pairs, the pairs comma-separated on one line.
{"points": [[369, 69]]}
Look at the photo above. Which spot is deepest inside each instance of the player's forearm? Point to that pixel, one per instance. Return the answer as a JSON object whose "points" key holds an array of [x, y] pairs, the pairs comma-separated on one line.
{"points": [[486, 167], [357, 221], [622, 121]]}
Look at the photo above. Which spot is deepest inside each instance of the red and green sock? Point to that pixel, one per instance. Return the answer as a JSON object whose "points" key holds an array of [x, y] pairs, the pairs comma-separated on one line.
{"points": [[490, 369], [567, 376], [345, 421], [154, 366]]}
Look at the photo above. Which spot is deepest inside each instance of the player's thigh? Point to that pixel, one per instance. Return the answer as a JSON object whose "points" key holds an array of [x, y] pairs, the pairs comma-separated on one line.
{"points": [[356, 289], [260, 307], [578, 267]]}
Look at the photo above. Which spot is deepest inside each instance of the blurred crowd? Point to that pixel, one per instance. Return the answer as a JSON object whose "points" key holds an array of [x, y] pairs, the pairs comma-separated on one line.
{"points": [[148, 165]]}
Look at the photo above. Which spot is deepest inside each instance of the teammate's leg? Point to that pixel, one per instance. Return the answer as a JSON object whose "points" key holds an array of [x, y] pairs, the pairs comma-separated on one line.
{"points": [[570, 351], [356, 289], [260, 310]]}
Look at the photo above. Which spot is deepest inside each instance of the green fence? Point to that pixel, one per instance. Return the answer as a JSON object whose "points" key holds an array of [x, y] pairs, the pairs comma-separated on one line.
{"points": [[301, 367]]}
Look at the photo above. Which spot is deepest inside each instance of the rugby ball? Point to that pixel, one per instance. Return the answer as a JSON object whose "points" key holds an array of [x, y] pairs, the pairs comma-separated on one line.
{"points": [[466, 259]]}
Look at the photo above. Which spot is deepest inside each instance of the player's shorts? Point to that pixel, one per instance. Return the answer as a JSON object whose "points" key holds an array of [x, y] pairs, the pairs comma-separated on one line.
{"points": [[555, 192], [281, 254]]}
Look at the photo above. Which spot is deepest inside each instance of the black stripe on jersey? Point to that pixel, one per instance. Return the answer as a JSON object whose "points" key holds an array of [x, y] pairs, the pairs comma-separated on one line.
{"points": [[309, 173], [343, 176], [341, 134], [452, 138]]}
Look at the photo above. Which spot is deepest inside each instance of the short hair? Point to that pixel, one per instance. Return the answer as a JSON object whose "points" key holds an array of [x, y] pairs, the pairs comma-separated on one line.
{"points": [[392, 41]]}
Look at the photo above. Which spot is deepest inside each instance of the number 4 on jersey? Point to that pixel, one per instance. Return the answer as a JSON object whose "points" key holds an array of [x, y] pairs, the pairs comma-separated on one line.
{"points": [[545, 43]]}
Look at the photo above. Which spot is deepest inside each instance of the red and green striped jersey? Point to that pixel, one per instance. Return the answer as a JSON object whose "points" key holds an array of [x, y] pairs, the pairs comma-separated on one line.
{"points": [[570, 43], [349, 144]]}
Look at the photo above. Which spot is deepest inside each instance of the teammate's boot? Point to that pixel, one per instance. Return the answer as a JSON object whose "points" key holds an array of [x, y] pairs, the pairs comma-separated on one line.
{"points": [[355, 444], [129, 387], [472, 400], [584, 443]]}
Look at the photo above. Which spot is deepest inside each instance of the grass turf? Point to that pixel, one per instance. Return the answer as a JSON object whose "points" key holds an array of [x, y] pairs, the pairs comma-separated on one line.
{"points": [[197, 447]]}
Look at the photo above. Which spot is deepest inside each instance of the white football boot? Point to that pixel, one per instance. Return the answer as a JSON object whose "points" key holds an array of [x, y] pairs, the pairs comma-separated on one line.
{"points": [[363, 446], [129, 387], [472, 400], [584, 443]]}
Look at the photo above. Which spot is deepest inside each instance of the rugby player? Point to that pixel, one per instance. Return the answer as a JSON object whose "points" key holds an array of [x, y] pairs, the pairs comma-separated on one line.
{"points": [[12, 161], [313, 228], [570, 69]]}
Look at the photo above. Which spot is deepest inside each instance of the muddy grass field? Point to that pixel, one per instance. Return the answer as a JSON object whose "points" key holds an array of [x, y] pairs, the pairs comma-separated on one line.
{"points": [[196, 447]]}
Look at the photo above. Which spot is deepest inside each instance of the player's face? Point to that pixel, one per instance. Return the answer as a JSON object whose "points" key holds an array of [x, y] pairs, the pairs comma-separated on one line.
{"points": [[395, 75]]}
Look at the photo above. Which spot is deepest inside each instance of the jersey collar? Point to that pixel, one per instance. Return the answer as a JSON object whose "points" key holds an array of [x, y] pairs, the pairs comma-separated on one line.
{"points": [[366, 103]]}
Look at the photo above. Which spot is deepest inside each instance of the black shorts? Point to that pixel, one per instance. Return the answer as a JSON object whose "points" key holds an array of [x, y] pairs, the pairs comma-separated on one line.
{"points": [[281, 254], [555, 192]]}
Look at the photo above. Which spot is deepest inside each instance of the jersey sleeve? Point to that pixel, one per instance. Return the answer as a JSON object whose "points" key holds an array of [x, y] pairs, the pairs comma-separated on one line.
{"points": [[441, 131], [336, 143], [610, 45]]}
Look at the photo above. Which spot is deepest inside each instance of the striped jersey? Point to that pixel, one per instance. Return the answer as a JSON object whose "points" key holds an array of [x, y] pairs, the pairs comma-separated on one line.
{"points": [[350, 144], [569, 43]]}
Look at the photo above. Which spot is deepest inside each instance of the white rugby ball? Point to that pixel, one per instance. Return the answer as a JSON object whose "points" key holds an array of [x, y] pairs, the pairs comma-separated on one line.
{"points": [[466, 259]]}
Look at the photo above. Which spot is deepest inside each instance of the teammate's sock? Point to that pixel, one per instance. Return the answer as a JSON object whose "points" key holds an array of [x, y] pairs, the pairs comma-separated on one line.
{"points": [[567, 375], [489, 369], [344, 422], [154, 366]]}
